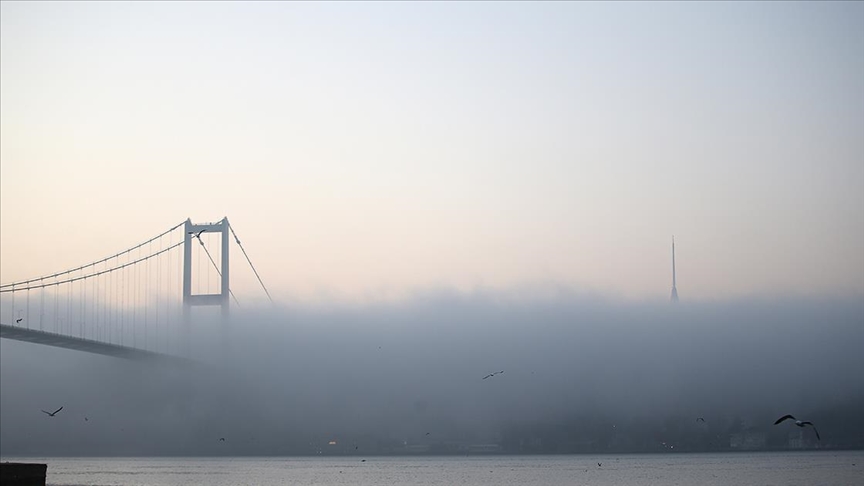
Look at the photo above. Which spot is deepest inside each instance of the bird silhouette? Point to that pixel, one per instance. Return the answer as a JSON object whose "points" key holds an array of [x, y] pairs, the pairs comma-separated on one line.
{"points": [[221, 439], [798, 423], [19, 320], [51, 414], [197, 235], [700, 419], [490, 375], [599, 465]]}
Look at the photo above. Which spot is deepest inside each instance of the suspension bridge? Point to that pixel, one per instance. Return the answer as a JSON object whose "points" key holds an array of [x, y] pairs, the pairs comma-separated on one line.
{"points": [[135, 304]]}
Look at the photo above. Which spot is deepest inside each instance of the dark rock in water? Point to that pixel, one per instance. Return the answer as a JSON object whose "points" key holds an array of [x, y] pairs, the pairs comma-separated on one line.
{"points": [[22, 474]]}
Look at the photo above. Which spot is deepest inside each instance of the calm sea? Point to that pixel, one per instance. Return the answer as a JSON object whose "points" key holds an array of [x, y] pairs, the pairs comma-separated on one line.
{"points": [[798, 468]]}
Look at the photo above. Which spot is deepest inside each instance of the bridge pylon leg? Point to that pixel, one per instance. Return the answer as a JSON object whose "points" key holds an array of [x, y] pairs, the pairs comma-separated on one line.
{"points": [[194, 231]]}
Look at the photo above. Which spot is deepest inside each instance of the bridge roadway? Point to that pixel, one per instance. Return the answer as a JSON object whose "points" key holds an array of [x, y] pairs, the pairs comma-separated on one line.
{"points": [[69, 342]]}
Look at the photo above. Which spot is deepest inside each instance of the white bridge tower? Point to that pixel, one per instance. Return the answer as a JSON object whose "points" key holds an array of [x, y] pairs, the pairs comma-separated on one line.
{"points": [[193, 231]]}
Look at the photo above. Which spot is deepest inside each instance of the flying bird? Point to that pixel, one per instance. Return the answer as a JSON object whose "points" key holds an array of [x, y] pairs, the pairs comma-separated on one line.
{"points": [[798, 423], [19, 320], [490, 375], [427, 433], [700, 419], [199, 233], [221, 439], [51, 414]]}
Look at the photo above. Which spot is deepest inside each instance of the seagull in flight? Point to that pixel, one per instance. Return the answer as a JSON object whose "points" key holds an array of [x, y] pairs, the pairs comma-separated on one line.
{"points": [[490, 375], [19, 320], [700, 419], [51, 414], [221, 439], [798, 423], [199, 233]]}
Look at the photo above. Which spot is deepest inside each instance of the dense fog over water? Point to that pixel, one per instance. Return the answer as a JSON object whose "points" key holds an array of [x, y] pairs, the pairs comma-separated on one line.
{"points": [[578, 374]]}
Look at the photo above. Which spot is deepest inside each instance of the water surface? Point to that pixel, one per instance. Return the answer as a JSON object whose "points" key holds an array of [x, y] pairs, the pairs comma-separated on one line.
{"points": [[786, 468]]}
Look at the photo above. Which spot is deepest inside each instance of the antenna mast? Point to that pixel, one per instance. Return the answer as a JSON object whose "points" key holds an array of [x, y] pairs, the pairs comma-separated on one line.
{"points": [[674, 297]]}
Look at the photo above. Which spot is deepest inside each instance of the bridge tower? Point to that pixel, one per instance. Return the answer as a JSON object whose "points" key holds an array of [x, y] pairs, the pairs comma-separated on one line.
{"points": [[192, 232]]}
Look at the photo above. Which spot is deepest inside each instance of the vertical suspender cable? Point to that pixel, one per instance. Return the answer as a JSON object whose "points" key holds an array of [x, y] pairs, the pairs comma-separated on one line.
{"points": [[168, 293], [83, 329], [68, 310], [110, 320], [97, 289], [147, 294], [159, 294], [135, 273], [41, 304], [82, 294], [122, 277], [55, 305]]}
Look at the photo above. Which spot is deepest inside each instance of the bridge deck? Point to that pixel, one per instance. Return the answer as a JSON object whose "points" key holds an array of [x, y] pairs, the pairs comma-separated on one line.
{"points": [[86, 345]]}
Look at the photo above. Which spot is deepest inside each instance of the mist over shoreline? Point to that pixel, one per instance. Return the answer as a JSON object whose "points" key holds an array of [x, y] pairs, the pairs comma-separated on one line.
{"points": [[379, 378]]}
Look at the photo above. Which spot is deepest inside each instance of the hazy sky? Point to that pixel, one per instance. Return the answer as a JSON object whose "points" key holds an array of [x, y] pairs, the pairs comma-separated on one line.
{"points": [[365, 149]]}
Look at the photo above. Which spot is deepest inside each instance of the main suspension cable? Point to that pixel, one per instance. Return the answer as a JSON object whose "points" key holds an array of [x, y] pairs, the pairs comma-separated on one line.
{"points": [[109, 270], [22, 282], [236, 239]]}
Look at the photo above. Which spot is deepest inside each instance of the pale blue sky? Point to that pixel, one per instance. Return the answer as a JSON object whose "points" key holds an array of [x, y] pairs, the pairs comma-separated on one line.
{"points": [[387, 147]]}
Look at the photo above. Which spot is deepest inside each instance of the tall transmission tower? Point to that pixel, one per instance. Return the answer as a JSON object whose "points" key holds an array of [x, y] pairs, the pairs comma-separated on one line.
{"points": [[674, 297]]}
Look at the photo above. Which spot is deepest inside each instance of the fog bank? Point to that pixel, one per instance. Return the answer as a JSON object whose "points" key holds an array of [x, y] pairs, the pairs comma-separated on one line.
{"points": [[378, 378]]}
